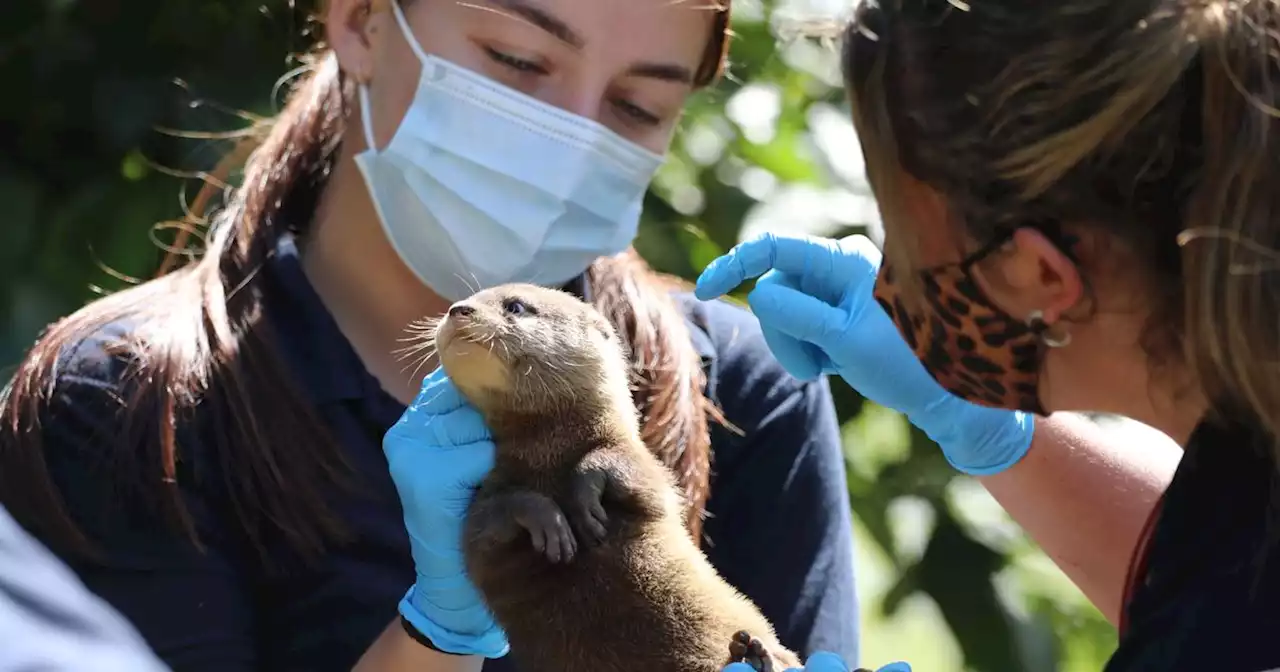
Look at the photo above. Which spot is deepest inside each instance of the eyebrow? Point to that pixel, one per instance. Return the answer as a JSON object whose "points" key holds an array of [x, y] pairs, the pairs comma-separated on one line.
{"points": [[667, 72], [540, 18]]}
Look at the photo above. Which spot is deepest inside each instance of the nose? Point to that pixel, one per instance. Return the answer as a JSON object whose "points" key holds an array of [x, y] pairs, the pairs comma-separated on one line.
{"points": [[461, 309], [579, 96]]}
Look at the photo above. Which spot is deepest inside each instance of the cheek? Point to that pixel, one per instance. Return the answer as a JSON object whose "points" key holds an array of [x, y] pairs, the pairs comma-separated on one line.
{"points": [[658, 139], [392, 88], [929, 231]]}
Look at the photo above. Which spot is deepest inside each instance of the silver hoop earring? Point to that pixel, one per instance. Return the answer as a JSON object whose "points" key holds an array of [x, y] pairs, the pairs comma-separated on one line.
{"points": [[1037, 324]]}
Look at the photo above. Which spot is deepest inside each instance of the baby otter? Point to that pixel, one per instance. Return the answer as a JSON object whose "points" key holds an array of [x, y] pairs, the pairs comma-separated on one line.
{"points": [[576, 537]]}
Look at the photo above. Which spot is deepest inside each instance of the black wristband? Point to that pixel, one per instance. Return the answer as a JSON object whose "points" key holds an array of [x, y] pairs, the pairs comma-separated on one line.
{"points": [[419, 637]]}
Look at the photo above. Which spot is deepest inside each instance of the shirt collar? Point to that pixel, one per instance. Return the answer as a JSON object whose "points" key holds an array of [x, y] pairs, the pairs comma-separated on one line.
{"points": [[319, 353]]}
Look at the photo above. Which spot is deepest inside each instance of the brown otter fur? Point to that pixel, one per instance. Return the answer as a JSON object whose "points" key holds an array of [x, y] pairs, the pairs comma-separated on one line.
{"points": [[576, 539]]}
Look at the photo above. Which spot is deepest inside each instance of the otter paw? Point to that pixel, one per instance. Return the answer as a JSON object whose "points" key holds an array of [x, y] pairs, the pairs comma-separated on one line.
{"points": [[548, 530], [744, 648], [587, 510]]}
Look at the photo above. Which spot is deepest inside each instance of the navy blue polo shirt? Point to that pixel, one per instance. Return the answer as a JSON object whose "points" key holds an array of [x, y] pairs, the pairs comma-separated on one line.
{"points": [[779, 526], [1208, 597]]}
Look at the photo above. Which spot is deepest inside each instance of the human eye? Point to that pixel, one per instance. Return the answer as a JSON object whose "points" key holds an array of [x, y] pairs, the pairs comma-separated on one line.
{"points": [[636, 113], [514, 62]]}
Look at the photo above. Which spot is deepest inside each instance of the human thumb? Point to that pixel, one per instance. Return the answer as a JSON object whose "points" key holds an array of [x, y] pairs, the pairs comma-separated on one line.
{"points": [[799, 315]]}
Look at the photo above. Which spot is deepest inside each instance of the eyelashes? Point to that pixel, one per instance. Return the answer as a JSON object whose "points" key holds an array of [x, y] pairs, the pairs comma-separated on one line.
{"points": [[525, 67], [514, 62]]}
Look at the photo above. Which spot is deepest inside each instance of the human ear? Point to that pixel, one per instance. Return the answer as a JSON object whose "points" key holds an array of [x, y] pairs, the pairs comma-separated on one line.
{"points": [[349, 32], [1033, 275]]}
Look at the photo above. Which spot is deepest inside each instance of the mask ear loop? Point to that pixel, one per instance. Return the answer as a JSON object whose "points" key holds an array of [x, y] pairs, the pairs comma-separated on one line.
{"points": [[366, 117], [408, 33]]}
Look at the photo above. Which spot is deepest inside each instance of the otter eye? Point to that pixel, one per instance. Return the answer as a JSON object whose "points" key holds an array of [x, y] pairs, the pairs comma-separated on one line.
{"points": [[517, 307]]}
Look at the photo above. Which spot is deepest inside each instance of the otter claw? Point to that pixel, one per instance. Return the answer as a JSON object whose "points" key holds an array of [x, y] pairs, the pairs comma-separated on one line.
{"points": [[589, 517], [593, 521], [548, 530], [554, 539], [744, 648]]}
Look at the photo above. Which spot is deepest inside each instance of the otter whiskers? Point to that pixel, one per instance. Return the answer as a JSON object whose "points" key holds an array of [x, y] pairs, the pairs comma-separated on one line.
{"points": [[421, 337]]}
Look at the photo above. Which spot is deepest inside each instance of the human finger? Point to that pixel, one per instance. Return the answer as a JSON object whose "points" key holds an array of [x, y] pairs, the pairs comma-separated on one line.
{"points": [[438, 394], [464, 427], [853, 262], [755, 256], [802, 360], [799, 316], [476, 461]]}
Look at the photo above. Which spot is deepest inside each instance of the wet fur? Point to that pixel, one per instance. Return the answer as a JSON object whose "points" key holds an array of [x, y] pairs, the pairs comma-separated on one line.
{"points": [[576, 538]]}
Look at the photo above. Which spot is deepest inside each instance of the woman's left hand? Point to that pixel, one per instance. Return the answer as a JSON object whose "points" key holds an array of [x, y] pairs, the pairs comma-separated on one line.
{"points": [[822, 662]]}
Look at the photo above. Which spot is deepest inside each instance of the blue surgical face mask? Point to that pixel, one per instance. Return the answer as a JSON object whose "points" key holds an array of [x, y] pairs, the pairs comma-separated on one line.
{"points": [[483, 185]]}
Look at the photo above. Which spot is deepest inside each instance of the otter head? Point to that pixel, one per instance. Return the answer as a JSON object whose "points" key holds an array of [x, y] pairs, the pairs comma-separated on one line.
{"points": [[529, 349]]}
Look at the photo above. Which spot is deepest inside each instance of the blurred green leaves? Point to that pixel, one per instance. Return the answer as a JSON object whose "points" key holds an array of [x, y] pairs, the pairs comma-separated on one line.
{"points": [[947, 582]]}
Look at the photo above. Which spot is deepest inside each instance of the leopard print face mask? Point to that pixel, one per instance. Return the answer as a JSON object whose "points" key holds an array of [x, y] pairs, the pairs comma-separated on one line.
{"points": [[974, 349]]}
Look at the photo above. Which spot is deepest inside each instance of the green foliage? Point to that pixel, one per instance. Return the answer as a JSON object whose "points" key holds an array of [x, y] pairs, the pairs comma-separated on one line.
{"points": [[947, 581]]}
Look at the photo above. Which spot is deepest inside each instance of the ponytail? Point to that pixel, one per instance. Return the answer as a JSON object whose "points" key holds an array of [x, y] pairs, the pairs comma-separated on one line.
{"points": [[1231, 246]]}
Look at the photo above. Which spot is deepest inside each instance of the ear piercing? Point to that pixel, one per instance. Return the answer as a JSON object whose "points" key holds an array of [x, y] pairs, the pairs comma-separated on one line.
{"points": [[1037, 324]]}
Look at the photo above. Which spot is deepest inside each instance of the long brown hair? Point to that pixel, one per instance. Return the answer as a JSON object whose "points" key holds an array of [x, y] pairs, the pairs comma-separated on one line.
{"points": [[199, 345], [1156, 121]]}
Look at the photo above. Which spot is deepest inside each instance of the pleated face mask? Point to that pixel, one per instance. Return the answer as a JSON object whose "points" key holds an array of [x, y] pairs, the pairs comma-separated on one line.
{"points": [[482, 185]]}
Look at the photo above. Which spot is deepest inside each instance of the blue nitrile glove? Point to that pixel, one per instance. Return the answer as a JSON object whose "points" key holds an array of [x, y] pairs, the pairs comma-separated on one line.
{"points": [[438, 452], [815, 307], [821, 662]]}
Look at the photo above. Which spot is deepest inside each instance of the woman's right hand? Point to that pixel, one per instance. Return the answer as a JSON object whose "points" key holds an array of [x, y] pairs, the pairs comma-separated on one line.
{"points": [[438, 452], [815, 306]]}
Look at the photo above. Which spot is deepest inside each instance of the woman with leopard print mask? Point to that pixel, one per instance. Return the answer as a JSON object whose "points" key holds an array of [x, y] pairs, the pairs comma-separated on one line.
{"points": [[1082, 213]]}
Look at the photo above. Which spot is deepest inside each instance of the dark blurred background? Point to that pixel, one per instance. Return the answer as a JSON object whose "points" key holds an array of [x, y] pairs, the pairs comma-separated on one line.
{"points": [[115, 106]]}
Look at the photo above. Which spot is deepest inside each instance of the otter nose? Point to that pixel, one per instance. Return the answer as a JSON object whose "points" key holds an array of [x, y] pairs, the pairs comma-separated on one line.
{"points": [[461, 310]]}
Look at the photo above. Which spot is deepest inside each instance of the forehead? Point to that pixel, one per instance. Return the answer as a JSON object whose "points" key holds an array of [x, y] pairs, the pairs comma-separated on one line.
{"points": [[619, 31]]}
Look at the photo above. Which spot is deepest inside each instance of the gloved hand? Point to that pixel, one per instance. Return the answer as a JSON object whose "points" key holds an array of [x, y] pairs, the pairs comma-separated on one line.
{"points": [[438, 452], [821, 662], [815, 307]]}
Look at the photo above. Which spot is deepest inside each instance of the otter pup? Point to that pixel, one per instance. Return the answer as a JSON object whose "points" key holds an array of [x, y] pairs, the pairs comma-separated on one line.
{"points": [[576, 537]]}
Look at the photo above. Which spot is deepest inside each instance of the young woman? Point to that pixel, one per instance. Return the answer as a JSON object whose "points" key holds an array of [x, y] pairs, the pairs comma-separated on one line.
{"points": [[205, 450], [1082, 212]]}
